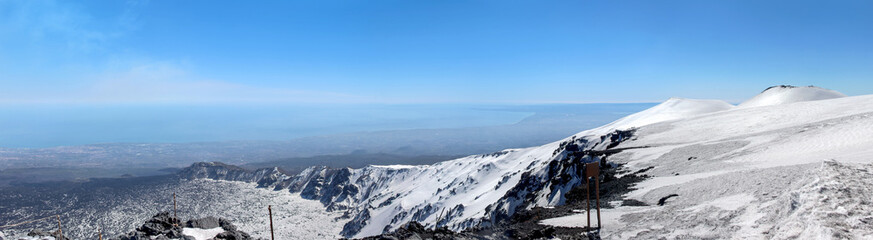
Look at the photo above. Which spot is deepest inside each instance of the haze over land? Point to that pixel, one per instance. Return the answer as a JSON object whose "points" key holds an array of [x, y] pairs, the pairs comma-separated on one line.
{"points": [[412, 133]]}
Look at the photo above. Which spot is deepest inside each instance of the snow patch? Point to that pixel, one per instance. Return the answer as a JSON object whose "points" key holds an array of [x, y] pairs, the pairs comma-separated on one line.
{"points": [[609, 218], [393, 166], [202, 234], [730, 203]]}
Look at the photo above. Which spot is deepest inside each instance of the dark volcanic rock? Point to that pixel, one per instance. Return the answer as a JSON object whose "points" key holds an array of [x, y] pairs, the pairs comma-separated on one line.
{"points": [[39, 233], [205, 223], [663, 200], [165, 226], [219, 171], [414, 230], [162, 223]]}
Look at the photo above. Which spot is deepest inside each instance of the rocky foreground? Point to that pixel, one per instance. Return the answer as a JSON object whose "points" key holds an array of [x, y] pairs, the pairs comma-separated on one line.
{"points": [[164, 226]]}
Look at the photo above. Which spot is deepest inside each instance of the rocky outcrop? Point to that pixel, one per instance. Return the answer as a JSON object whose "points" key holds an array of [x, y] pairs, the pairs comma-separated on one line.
{"points": [[547, 175], [562, 175], [165, 226], [414, 230], [265, 177], [44, 235]]}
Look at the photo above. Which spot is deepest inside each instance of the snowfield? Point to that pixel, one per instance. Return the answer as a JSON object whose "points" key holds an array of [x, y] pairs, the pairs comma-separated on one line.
{"points": [[794, 170], [244, 204], [672, 109]]}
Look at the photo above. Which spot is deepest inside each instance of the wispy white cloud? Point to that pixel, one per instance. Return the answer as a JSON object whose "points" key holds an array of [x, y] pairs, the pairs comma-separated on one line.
{"points": [[166, 82], [40, 21]]}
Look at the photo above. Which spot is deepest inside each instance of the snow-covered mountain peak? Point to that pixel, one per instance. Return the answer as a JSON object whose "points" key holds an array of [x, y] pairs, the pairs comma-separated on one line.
{"points": [[784, 94], [673, 109]]}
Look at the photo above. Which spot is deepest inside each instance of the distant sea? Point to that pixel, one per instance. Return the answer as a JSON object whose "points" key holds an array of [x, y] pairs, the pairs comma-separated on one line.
{"points": [[48, 126]]}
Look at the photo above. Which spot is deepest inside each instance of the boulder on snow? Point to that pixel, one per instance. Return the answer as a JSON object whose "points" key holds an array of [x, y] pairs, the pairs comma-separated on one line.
{"points": [[165, 226], [44, 235], [205, 223], [162, 224]]}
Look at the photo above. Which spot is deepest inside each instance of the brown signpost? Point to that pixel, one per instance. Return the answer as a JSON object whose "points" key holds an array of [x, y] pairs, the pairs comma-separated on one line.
{"points": [[592, 170]]}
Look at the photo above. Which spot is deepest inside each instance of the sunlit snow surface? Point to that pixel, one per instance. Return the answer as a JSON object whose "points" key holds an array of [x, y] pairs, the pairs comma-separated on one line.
{"points": [[798, 170], [242, 203], [202, 234], [789, 94]]}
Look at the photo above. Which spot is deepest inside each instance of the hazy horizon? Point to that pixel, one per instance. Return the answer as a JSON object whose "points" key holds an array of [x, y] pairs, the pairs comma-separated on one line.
{"points": [[49, 126]]}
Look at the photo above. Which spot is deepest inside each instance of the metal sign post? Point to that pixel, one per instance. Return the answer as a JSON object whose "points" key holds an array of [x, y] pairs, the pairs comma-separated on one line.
{"points": [[592, 170]]}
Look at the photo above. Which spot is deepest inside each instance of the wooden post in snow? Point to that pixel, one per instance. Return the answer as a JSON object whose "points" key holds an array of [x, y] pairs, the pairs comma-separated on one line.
{"points": [[60, 232], [270, 210]]}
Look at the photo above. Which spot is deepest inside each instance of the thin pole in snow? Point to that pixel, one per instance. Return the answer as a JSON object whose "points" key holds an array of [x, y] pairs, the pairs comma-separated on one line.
{"points": [[270, 210], [588, 202], [597, 189]]}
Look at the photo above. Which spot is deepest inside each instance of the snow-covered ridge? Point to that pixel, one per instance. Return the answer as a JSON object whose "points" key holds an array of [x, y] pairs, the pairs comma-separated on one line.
{"points": [[784, 94], [472, 191], [731, 168], [672, 109]]}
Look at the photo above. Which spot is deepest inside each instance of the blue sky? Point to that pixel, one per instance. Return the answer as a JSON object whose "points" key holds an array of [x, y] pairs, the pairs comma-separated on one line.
{"points": [[305, 52]]}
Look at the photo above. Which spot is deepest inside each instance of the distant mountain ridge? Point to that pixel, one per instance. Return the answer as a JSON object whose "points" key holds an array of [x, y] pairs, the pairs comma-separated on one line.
{"points": [[479, 190]]}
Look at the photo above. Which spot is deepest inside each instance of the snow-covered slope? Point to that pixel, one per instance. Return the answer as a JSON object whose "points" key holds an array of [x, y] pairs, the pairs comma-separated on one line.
{"points": [[793, 171], [472, 191], [672, 109], [479, 190], [790, 94]]}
